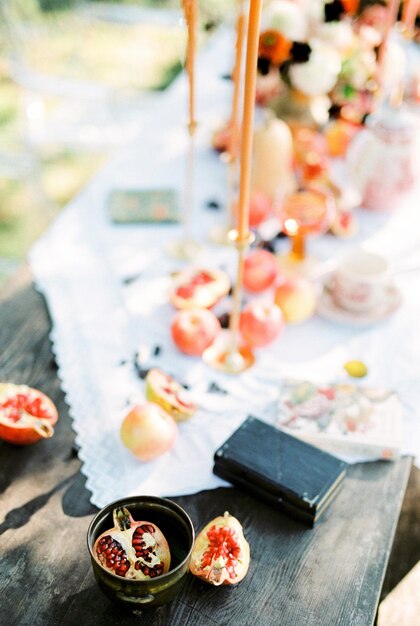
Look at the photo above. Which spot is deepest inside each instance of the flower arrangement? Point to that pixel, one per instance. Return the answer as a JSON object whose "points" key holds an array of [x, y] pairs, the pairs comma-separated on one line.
{"points": [[325, 52]]}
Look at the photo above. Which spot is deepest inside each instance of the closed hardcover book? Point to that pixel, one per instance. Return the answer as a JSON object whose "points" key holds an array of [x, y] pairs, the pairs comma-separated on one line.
{"points": [[351, 421], [286, 472]]}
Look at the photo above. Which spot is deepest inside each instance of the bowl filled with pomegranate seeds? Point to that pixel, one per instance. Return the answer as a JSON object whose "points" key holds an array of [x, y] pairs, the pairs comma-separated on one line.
{"points": [[140, 549]]}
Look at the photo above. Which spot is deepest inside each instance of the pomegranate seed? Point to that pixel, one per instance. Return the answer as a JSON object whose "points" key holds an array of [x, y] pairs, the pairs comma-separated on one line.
{"points": [[222, 543], [185, 291]]}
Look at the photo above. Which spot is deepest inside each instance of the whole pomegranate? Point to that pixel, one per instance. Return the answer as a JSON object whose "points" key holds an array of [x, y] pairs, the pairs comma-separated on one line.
{"points": [[193, 330], [260, 208], [260, 270], [131, 549], [221, 553], [148, 431], [26, 414], [261, 322]]}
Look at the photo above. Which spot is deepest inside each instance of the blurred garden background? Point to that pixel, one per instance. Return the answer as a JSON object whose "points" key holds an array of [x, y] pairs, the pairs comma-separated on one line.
{"points": [[74, 76]]}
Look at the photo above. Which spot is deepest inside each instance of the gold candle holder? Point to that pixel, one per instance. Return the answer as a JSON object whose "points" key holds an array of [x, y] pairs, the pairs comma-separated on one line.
{"points": [[228, 353], [186, 248], [221, 235]]}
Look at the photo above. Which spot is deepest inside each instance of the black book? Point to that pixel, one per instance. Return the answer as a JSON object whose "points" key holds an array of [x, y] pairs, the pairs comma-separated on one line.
{"points": [[286, 472]]}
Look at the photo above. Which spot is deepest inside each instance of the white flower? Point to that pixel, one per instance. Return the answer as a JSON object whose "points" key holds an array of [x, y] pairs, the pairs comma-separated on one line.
{"points": [[287, 17], [319, 74], [314, 10], [370, 36], [339, 35]]}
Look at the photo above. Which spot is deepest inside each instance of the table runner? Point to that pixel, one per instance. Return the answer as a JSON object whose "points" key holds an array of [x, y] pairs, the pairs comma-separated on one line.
{"points": [[106, 289]]}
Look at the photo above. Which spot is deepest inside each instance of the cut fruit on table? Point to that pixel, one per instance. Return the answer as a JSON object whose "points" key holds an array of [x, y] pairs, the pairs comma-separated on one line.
{"points": [[221, 554], [169, 394], [135, 550], [26, 415], [199, 288]]}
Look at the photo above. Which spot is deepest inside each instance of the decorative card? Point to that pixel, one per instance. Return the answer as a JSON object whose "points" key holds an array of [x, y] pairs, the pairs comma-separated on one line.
{"points": [[129, 206], [343, 419]]}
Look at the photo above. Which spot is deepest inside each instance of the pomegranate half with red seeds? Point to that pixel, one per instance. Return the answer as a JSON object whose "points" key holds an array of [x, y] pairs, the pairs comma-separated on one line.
{"points": [[221, 553], [199, 288], [135, 550], [26, 415], [169, 394]]}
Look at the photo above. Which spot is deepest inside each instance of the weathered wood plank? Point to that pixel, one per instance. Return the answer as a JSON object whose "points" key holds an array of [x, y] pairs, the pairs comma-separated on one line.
{"points": [[331, 575]]}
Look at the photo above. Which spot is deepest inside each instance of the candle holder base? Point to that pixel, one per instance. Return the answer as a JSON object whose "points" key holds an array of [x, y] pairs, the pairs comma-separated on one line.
{"points": [[221, 235], [225, 357], [291, 265], [184, 249]]}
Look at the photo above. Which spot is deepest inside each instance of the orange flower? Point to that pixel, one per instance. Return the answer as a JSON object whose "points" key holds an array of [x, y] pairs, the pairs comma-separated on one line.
{"points": [[274, 46], [350, 6]]}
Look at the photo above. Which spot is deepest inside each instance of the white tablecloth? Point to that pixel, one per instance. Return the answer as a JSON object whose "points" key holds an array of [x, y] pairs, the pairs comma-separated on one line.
{"points": [[83, 266]]}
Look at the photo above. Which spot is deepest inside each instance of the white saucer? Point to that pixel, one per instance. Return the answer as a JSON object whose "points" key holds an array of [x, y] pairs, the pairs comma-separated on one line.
{"points": [[329, 310]]}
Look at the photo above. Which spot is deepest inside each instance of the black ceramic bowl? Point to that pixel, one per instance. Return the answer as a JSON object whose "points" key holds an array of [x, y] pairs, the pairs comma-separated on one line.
{"points": [[177, 527]]}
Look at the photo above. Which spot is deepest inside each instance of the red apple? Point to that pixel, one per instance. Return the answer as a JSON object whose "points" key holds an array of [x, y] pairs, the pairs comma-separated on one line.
{"points": [[296, 297], [148, 431], [193, 330], [260, 270], [261, 322]]}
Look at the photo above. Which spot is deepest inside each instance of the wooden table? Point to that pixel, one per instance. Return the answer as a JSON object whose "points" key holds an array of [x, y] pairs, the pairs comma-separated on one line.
{"points": [[329, 576]]}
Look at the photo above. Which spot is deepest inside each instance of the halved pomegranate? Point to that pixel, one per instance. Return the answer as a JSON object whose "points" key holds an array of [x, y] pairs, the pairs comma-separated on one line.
{"points": [[131, 549], [169, 394], [26, 414], [221, 553], [199, 288]]}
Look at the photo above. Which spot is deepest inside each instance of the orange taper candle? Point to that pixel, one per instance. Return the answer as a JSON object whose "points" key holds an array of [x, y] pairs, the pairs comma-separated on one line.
{"points": [[237, 72], [191, 18], [248, 118], [410, 11]]}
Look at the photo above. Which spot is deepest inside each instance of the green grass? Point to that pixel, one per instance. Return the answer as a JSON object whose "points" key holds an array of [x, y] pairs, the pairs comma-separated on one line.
{"points": [[150, 58]]}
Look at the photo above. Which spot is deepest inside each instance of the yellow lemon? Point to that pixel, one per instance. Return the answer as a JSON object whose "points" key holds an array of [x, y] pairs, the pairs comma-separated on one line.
{"points": [[356, 369]]}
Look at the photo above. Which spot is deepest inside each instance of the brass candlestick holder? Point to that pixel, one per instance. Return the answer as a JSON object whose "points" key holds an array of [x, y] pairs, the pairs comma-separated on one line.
{"points": [[222, 234], [186, 248], [228, 353]]}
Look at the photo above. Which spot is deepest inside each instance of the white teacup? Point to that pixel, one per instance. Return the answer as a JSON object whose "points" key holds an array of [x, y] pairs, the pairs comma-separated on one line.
{"points": [[361, 280]]}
